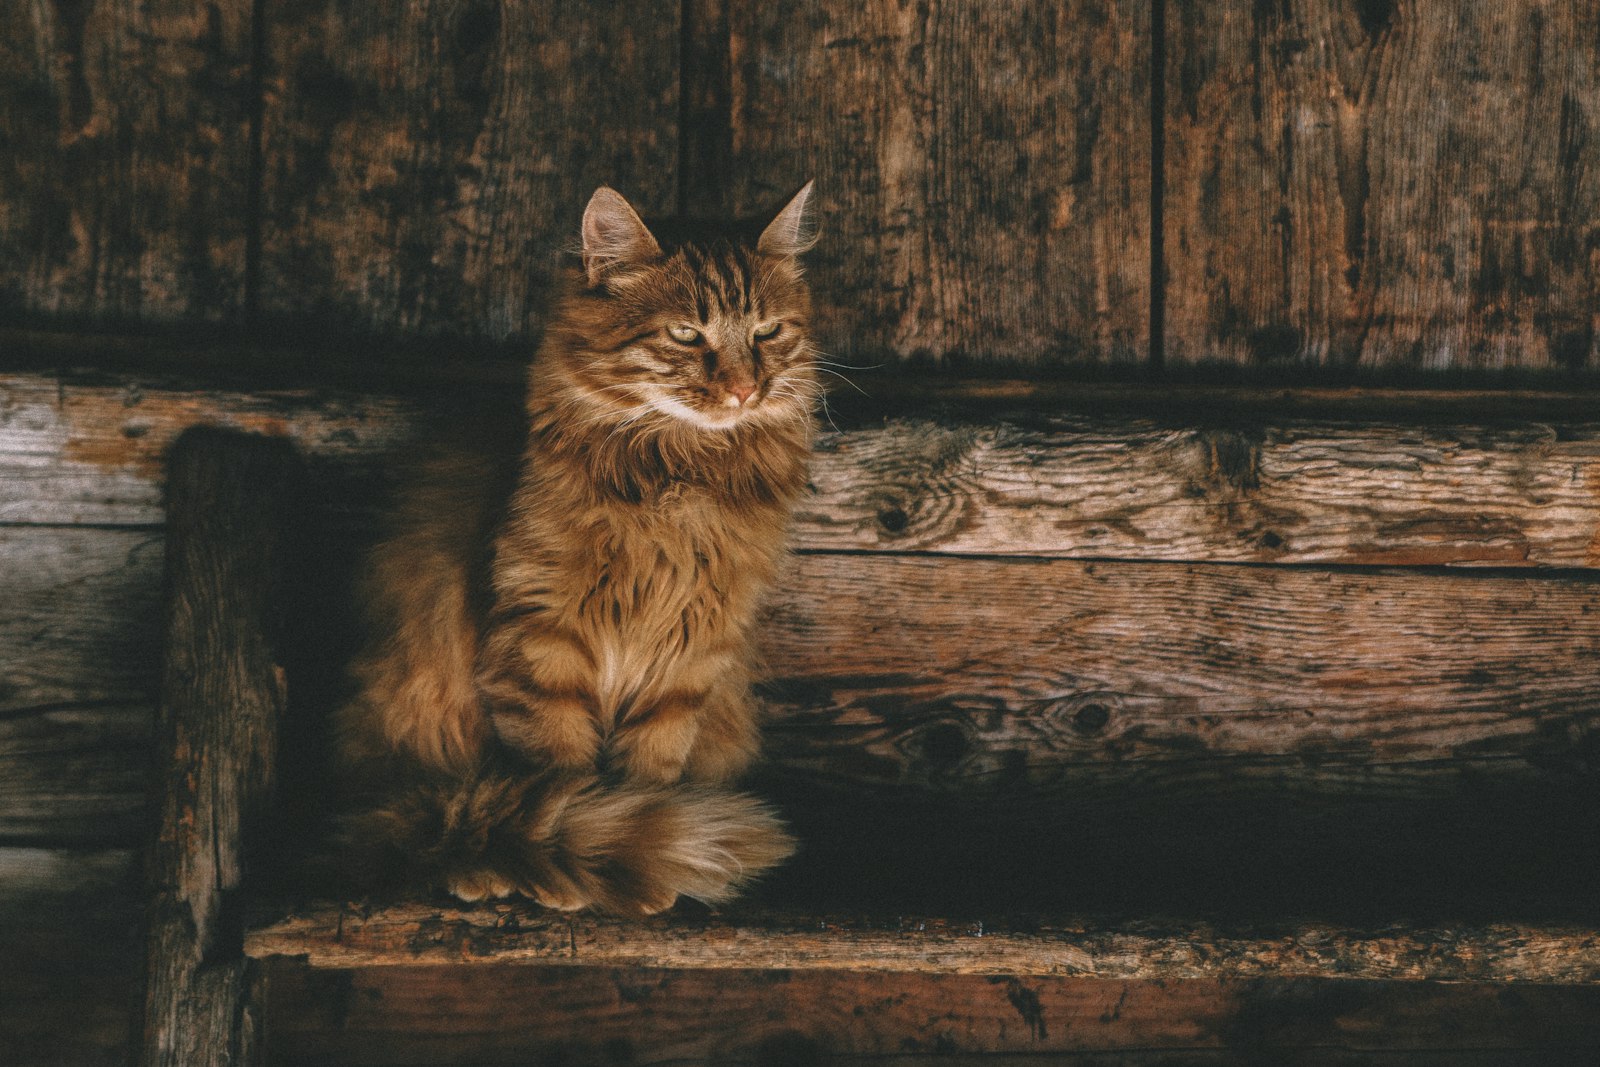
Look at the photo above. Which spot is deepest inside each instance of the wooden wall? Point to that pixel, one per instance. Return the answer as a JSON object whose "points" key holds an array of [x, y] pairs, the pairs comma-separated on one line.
{"points": [[1340, 183]]}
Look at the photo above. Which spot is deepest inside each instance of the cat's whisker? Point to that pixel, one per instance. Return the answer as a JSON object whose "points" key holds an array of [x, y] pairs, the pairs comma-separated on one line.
{"points": [[847, 366], [847, 381]]}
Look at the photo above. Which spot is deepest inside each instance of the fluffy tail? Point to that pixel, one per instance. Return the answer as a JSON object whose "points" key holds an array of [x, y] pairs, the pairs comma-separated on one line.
{"points": [[569, 842]]}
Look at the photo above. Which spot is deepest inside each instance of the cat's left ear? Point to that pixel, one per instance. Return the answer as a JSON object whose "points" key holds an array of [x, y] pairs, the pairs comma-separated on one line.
{"points": [[794, 230], [614, 235]]}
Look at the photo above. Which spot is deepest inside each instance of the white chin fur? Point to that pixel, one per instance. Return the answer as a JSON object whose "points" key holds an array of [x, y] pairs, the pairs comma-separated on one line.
{"points": [[679, 410]]}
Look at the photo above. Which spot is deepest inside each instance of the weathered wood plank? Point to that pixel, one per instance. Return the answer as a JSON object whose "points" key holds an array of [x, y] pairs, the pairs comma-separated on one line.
{"points": [[125, 177], [68, 936], [79, 625], [983, 170], [79, 641], [1396, 184], [1212, 475], [1241, 490], [963, 675], [335, 935], [425, 164], [92, 453], [956, 673], [506, 1014], [223, 692]]}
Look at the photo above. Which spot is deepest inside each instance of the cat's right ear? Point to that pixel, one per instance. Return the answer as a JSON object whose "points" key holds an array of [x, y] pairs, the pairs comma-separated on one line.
{"points": [[614, 237]]}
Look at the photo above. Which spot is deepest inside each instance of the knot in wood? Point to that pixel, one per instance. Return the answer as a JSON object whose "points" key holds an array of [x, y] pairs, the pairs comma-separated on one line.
{"points": [[1091, 718], [1229, 463]]}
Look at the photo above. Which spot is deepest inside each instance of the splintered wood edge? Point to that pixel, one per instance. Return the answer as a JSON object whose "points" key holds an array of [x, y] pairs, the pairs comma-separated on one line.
{"points": [[351, 936]]}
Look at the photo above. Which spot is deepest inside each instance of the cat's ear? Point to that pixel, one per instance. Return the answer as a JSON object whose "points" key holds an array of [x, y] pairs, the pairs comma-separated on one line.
{"points": [[794, 230], [613, 235]]}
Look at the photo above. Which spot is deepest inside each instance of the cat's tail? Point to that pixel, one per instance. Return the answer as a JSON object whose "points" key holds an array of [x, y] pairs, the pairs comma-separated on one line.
{"points": [[569, 842]]}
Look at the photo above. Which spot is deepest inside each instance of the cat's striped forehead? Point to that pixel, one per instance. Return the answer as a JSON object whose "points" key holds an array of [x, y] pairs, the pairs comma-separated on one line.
{"points": [[722, 279]]}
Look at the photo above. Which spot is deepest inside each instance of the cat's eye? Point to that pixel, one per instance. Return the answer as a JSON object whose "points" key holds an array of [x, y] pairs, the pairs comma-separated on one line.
{"points": [[684, 335], [766, 330]]}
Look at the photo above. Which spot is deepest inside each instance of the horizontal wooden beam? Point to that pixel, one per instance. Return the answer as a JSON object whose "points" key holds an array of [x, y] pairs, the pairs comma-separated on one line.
{"points": [[927, 675], [966, 676], [997, 469], [492, 1014], [951, 673], [335, 935]]}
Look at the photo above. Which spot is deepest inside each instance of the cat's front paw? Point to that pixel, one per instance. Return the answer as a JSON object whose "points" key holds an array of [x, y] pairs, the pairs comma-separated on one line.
{"points": [[559, 899], [474, 887]]}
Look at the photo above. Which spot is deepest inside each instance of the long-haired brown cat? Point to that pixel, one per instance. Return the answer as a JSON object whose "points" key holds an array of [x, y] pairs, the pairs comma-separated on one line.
{"points": [[556, 689]]}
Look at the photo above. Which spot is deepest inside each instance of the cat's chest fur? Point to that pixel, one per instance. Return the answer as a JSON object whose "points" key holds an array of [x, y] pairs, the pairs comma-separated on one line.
{"points": [[644, 580]]}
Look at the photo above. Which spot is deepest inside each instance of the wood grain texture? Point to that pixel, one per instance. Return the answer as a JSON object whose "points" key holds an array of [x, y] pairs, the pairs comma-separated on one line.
{"points": [[68, 936], [425, 164], [982, 171], [125, 180], [493, 1014], [334, 935], [956, 673], [1274, 477], [91, 453], [1394, 184], [80, 641], [223, 692], [1199, 486], [977, 676]]}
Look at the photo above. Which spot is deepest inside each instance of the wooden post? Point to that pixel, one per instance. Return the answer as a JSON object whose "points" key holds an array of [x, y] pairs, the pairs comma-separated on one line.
{"points": [[222, 695]]}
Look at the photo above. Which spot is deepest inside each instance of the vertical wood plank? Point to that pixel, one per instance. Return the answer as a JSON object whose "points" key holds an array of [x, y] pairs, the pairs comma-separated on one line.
{"points": [[426, 164], [982, 170], [706, 132], [124, 158], [222, 695], [1384, 183]]}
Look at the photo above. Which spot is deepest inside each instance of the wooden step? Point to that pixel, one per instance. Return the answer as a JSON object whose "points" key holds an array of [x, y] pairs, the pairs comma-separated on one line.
{"points": [[351, 935]]}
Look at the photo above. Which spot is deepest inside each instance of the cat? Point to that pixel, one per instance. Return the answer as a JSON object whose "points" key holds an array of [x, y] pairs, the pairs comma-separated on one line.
{"points": [[556, 691]]}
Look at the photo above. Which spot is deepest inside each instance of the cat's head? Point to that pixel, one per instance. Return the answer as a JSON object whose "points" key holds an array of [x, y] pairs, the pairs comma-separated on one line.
{"points": [[691, 325]]}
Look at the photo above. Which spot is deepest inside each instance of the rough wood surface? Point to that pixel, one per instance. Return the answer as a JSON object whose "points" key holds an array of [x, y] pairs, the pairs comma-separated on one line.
{"points": [[1282, 477], [125, 176], [493, 1014], [222, 694], [425, 164], [1250, 488], [1392, 184], [91, 452], [964, 673], [336, 935], [977, 676], [983, 170]]}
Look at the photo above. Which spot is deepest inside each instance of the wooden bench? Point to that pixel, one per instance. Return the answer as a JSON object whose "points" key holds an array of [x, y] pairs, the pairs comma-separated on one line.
{"points": [[1073, 688]]}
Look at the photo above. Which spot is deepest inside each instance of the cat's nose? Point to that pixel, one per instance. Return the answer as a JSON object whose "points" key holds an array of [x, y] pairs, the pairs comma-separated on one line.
{"points": [[742, 391]]}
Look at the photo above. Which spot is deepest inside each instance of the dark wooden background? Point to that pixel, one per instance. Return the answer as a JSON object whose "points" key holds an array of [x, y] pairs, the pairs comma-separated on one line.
{"points": [[1341, 183], [1304, 187]]}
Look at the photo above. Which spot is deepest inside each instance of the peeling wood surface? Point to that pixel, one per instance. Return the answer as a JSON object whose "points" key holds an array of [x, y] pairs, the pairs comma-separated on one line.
{"points": [[92, 454], [1230, 478], [427, 163], [125, 178], [1385, 184], [492, 1014], [344, 936], [1245, 489], [983, 170]]}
